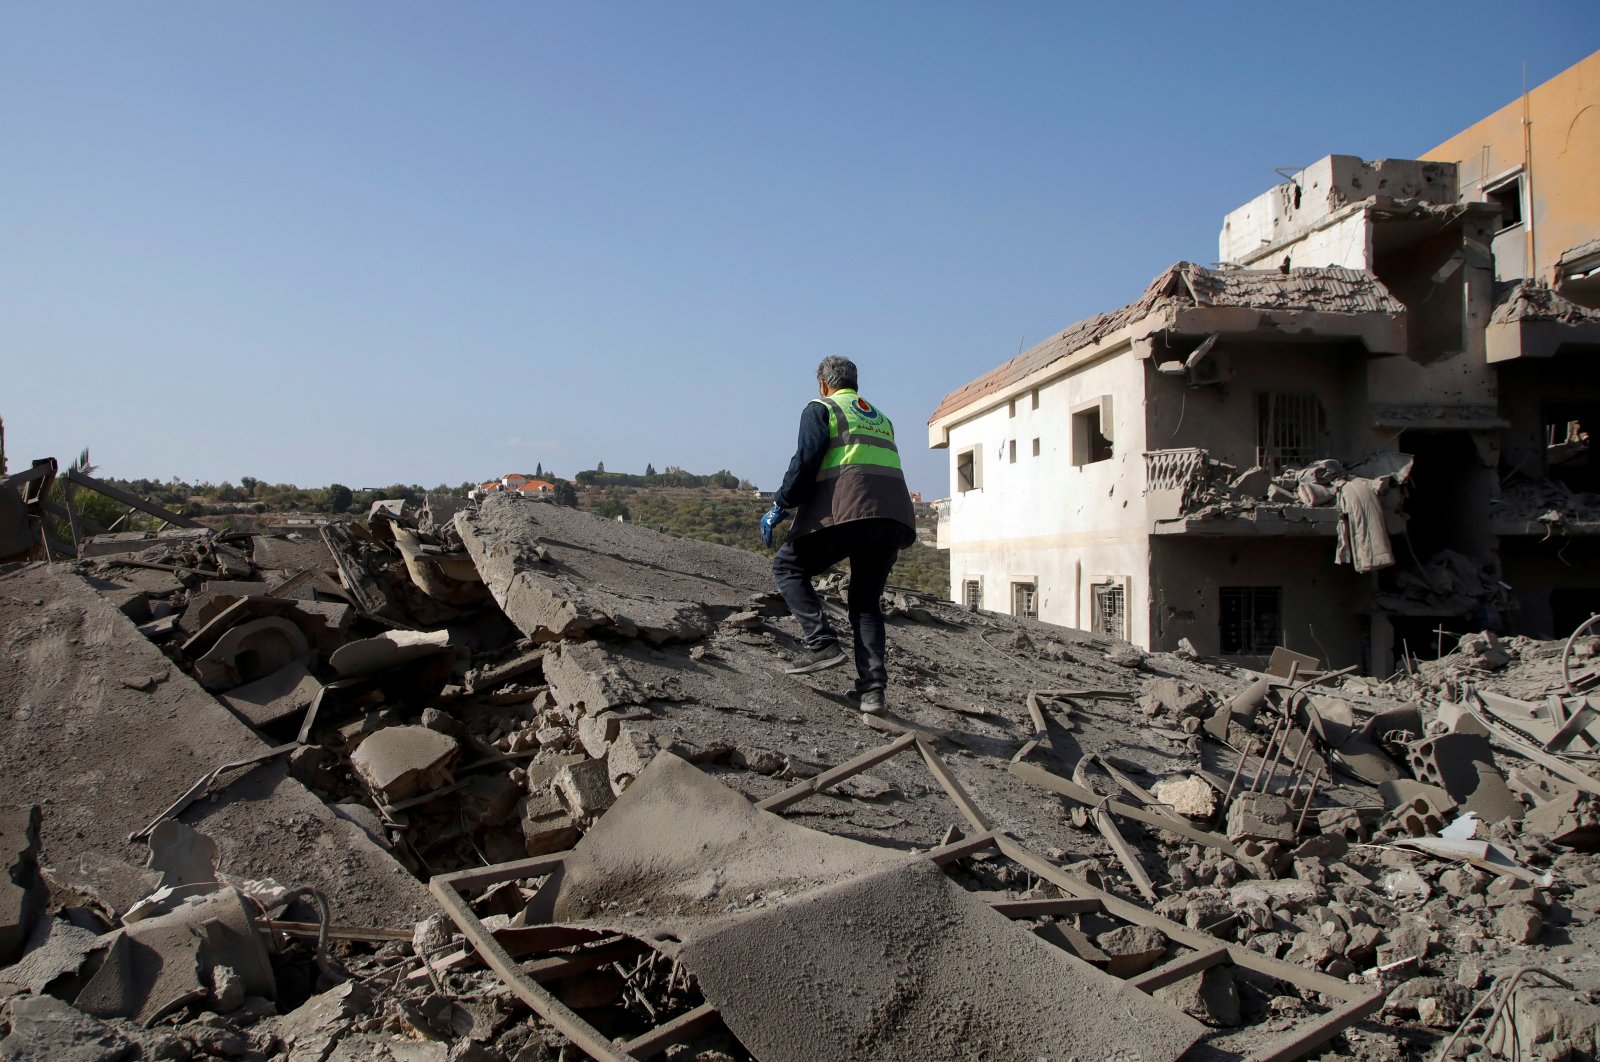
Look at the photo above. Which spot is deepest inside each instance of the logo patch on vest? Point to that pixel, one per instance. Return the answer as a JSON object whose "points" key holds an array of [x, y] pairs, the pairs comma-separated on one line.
{"points": [[866, 410]]}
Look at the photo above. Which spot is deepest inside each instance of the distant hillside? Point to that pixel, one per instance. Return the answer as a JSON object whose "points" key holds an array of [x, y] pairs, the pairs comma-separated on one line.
{"points": [[731, 518]]}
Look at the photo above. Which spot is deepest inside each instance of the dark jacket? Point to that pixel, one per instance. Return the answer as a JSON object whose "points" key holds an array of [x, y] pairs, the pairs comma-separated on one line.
{"points": [[849, 497]]}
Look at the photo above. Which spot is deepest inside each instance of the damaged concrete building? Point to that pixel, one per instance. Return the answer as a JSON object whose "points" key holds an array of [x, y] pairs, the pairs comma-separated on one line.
{"points": [[1365, 430]]}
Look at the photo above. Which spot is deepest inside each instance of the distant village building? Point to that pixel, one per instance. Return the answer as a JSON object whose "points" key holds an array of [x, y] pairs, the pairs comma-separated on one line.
{"points": [[514, 481], [1371, 425]]}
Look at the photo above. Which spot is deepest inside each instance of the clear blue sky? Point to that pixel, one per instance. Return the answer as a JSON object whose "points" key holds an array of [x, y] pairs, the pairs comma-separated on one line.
{"points": [[378, 242]]}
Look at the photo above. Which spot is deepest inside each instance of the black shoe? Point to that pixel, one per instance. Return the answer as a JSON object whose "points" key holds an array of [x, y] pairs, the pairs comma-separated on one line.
{"points": [[872, 702], [829, 655]]}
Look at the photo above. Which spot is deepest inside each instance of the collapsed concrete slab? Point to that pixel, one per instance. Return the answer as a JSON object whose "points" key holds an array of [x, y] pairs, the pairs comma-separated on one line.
{"points": [[110, 758], [560, 573], [746, 899], [22, 891], [400, 761]]}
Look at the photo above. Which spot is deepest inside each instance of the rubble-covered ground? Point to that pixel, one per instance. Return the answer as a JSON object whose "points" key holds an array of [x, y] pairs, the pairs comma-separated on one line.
{"points": [[233, 763]]}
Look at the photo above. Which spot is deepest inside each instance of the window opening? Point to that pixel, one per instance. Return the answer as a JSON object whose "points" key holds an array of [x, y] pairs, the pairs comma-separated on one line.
{"points": [[1251, 619], [1110, 610], [1036, 447], [1011, 450], [1024, 600], [967, 471], [1035, 398], [972, 593], [1507, 195], [1089, 441], [1289, 430]]}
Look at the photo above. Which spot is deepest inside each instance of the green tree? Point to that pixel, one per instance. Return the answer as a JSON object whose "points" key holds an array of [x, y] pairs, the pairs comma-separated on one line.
{"points": [[566, 494], [650, 470], [339, 498]]}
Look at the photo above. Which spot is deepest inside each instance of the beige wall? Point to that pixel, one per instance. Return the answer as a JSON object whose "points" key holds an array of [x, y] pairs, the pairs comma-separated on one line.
{"points": [[1045, 520], [1562, 153]]}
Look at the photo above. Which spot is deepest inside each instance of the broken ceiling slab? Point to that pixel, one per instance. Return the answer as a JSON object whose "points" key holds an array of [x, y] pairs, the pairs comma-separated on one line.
{"points": [[283, 694], [1531, 320], [754, 906], [119, 542], [293, 552], [111, 759], [560, 573]]}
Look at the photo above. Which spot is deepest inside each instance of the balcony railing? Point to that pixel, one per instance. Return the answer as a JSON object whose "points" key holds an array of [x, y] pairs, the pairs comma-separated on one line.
{"points": [[1174, 469]]}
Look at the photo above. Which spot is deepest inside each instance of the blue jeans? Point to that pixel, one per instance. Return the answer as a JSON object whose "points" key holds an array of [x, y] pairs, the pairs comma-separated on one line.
{"points": [[871, 546]]}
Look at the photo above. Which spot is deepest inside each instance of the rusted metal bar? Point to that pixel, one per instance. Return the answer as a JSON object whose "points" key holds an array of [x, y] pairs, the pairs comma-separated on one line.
{"points": [[547, 1006], [337, 932], [682, 1029], [1172, 972], [961, 849], [1039, 908], [1194, 938], [1299, 1044], [483, 877], [1036, 713], [199, 788], [1113, 836], [941, 772], [813, 786], [1062, 787], [1310, 796], [1261, 770], [72, 475]]}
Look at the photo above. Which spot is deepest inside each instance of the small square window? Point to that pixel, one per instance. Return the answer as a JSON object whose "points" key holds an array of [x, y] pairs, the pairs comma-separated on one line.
{"points": [[1090, 439], [1507, 195], [1036, 447], [1251, 619], [967, 471]]}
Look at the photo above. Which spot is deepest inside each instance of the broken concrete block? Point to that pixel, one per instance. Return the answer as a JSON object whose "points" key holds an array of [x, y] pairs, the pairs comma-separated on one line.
{"points": [[1177, 699], [312, 1029], [1260, 817], [389, 649], [1131, 950], [1463, 765], [286, 692], [43, 1027], [1572, 819], [58, 948], [1188, 795], [630, 753], [23, 893], [489, 800], [398, 762], [182, 855], [1436, 1001], [596, 732], [1520, 923], [1211, 997], [585, 789], [594, 677], [547, 826], [157, 963], [1252, 482]]}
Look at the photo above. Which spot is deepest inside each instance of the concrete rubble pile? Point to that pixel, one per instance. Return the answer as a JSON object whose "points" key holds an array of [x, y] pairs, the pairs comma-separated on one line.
{"points": [[237, 766]]}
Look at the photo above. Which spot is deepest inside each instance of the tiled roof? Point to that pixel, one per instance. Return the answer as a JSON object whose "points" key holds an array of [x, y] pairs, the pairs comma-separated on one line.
{"points": [[1186, 285], [1528, 300]]}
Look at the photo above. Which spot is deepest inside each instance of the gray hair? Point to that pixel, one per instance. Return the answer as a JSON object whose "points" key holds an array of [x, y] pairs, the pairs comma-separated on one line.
{"points": [[837, 372]]}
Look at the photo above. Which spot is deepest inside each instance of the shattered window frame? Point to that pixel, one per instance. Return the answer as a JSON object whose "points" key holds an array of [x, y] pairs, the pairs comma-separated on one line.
{"points": [[972, 593], [1090, 442], [968, 471], [1249, 619]]}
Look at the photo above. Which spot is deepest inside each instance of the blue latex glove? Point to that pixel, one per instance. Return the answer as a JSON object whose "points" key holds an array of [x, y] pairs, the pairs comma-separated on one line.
{"points": [[770, 522]]}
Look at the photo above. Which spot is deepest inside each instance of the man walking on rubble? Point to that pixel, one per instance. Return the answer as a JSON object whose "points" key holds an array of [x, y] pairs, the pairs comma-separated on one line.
{"points": [[846, 482]]}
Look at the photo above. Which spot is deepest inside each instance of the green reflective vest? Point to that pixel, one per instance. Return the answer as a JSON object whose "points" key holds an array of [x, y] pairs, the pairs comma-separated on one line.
{"points": [[860, 435], [860, 477]]}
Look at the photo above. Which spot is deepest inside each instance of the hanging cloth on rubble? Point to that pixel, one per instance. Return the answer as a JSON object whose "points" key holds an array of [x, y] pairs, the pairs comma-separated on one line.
{"points": [[1363, 538]]}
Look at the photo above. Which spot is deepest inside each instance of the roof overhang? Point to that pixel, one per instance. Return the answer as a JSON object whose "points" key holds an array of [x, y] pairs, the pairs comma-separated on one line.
{"points": [[1380, 333], [1534, 338]]}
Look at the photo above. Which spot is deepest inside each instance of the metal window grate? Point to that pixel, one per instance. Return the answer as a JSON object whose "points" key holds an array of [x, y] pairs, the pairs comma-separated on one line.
{"points": [[972, 593], [1289, 430], [1024, 600], [1110, 610], [1251, 619]]}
